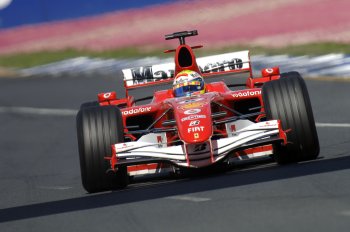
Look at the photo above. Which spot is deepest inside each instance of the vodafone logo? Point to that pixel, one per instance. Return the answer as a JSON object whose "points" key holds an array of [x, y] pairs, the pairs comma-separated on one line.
{"points": [[107, 95], [137, 110], [269, 70], [247, 93]]}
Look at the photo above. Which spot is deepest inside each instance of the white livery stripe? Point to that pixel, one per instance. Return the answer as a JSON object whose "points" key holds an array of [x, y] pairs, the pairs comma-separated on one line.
{"points": [[346, 125], [37, 111]]}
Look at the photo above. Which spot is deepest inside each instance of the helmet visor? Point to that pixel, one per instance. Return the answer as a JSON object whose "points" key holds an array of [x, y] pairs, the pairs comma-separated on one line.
{"points": [[183, 89]]}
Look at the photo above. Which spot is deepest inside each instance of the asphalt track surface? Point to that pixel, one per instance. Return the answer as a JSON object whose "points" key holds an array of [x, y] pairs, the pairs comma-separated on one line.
{"points": [[40, 188]]}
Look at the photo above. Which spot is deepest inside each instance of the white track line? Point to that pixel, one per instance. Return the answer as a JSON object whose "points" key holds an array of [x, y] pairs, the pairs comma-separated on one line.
{"points": [[189, 198], [37, 111], [345, 213], [71, 112], [55, 187], [346, 125]]}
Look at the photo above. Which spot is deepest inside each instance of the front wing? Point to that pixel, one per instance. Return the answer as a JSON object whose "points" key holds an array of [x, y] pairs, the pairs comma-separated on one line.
{"points": [[197, 155]]}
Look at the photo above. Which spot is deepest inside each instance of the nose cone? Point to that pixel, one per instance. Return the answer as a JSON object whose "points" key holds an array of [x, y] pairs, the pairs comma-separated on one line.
{"points": [[193, 118]]}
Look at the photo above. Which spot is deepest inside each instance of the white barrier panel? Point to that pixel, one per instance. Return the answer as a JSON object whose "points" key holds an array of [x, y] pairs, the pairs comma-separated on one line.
{"points": [[337, 65]]}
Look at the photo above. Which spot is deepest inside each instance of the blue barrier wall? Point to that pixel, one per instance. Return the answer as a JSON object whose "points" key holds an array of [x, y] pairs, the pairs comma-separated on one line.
{"points": [[21, 12]]}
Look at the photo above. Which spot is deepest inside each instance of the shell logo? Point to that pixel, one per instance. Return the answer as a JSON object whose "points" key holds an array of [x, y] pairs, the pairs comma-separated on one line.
{"points": [[4, 3], [192, 105]]}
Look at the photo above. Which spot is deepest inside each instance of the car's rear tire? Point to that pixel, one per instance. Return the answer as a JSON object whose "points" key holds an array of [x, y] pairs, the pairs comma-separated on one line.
{"points": [[287, 99], [97, 129]]}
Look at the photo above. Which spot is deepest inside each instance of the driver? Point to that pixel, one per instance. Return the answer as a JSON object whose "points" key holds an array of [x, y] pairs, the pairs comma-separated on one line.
{"points": [[187, 83]]}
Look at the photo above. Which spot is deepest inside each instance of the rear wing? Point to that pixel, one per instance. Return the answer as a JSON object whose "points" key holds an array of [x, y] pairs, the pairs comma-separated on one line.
{"points": [[210, 66]]}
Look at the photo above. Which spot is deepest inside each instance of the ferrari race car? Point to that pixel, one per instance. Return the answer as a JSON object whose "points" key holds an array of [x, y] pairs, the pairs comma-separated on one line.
{"points": [[269, 115]]}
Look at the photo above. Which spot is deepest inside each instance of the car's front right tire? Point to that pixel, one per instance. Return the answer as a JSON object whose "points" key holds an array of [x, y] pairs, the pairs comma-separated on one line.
{"points": [[287, 99]]}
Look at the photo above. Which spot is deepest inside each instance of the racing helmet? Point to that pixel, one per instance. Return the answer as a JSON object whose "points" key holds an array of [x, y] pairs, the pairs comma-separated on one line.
{"points": [[188, 82]]}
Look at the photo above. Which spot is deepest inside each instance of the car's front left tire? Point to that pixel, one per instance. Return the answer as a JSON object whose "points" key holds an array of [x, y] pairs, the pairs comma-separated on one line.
{"points": [[89, 104], [97, 129]]}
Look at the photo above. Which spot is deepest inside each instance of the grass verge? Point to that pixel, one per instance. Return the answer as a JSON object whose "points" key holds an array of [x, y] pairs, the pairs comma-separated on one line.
{"points": [[39, 58]]}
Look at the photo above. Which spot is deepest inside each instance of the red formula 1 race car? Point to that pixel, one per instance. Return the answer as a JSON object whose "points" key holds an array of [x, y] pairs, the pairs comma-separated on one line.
{"points": [[201, 118]]}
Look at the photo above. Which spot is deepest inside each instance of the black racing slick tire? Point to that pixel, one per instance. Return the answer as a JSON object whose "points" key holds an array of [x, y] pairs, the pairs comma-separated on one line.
{"points": [[97, 129], [287, 99], [89, 104]]}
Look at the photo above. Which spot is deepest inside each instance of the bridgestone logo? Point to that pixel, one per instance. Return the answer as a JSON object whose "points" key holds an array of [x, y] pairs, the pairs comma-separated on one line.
{"points": [[137, 110], [192, 117], [247, 93]]}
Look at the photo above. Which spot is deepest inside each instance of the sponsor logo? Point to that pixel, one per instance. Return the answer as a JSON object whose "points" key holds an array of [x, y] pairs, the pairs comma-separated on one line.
{"points": [[269, 70], [107, 95], [195, 129], [160, 141], [192, 111], [194, 123], [123, 146], [269, 124], [233, 128], [137, 110], [192, 117], [223, 65], [247, 93], [191, 105], [191, 100]]}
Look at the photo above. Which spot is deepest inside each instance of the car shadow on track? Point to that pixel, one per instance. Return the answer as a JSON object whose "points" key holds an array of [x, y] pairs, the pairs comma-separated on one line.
{"points": [[150, 192]]}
